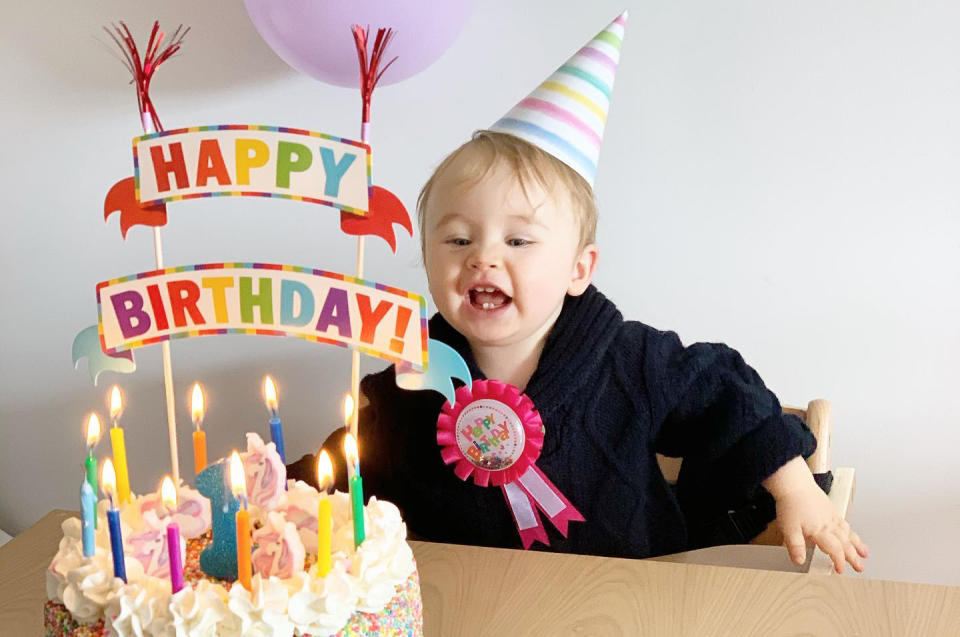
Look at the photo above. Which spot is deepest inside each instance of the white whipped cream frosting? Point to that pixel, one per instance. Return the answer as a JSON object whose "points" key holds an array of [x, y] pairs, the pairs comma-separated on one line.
{"points": [[364, 579]]}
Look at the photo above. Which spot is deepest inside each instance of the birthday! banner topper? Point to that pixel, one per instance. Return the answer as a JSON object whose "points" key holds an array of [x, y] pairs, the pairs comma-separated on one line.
{"points": [[256, 161], [267, 299]]}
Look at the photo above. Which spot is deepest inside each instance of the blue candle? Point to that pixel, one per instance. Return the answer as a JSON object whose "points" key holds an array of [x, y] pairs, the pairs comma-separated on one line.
{"points": [[116, 544], [88, 510], [276, 427], [219, 559], [108, 480]]}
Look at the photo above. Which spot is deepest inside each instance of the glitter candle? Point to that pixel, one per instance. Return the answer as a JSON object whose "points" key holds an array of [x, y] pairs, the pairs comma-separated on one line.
{"points": [[324, 514], [118, 445], [199, 435], [90, 464], [276, 427], [169, 496], [109, 481], [238, 484]]}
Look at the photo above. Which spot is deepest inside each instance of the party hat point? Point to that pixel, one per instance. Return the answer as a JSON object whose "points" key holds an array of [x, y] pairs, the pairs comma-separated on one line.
{"points": [[565, 116]]}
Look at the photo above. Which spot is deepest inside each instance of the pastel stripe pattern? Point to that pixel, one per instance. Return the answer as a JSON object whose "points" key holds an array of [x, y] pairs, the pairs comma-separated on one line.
{"points": [[566, 115]]}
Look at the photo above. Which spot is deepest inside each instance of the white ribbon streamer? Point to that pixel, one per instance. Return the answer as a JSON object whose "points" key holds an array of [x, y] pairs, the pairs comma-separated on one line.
{"points": [[520, 505], [541, 492]]}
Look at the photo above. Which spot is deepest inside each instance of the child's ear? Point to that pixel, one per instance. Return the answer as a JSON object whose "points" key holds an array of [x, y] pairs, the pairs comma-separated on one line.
{"points": [[583, 269]]}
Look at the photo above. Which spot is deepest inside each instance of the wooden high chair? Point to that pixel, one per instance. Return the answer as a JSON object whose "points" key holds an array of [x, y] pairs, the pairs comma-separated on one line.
{"points": [[817, 416]]}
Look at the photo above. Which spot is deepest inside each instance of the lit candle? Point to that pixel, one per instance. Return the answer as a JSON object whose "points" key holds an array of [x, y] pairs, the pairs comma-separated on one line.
{"points": [[238, 485], [169, 496], [93, 437], [88, 510], [109, 481], [276, 427], [356, 488], [324, 514], [119, 448], [199, 435]]}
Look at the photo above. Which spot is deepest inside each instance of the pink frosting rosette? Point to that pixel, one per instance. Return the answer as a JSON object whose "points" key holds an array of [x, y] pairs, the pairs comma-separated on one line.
{"points": [[192, 514], [494, 433]]}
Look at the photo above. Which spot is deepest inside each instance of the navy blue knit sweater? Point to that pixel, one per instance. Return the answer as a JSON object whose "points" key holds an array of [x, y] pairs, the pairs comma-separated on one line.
{"points": [[611, 394]]}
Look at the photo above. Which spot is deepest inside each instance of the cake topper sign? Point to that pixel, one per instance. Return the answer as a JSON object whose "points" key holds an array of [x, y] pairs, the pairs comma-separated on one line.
{"points": [[241, 160], [261, 298]]}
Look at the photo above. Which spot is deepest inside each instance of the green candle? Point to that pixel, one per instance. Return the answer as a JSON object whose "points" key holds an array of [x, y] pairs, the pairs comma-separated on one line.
{"points": [[93, 437], [356, 487], [356, 498]]}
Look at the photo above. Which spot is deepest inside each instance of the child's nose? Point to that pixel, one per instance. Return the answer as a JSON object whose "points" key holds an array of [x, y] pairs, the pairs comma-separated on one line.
{"points": [[484, 257]]}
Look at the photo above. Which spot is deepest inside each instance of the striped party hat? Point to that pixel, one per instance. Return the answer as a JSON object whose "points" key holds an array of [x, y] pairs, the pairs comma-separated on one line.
{"points": [[566, 114]]}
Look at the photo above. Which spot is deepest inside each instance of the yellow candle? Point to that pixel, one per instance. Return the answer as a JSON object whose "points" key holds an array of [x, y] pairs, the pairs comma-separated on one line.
{"points": [[119, 448], [238, 484], [199, 435], [324, 514]]}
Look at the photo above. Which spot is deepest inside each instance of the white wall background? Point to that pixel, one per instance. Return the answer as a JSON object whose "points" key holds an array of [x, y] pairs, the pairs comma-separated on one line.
{"points": [[779, 176]]}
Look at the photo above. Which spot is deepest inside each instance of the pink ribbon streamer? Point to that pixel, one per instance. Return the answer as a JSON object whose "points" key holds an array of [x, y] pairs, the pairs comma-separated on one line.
{"points": [[532, 491]]}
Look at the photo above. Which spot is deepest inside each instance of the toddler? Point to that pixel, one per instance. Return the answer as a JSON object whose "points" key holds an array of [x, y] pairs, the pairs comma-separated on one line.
{"points": [[507, 227]]}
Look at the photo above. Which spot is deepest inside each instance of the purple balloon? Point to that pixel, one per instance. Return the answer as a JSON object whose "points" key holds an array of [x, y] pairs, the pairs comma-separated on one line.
{"points": [[314, 36]]}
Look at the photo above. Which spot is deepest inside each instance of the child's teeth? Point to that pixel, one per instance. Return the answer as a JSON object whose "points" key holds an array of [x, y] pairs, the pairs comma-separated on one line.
{"points": [[487, 306]]}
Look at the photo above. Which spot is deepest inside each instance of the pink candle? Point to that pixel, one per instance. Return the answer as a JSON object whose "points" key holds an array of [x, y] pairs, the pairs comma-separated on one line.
{"points": [[176, 564], [169, 496]]}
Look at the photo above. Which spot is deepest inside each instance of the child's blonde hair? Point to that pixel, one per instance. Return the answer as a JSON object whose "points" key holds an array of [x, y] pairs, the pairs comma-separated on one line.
{"points": [[527, 161]]}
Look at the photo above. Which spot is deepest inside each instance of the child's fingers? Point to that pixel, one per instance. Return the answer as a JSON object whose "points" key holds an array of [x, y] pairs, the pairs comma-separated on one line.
{"points": [[831, 545], [796, 545], [852, 556], [861, 546]]}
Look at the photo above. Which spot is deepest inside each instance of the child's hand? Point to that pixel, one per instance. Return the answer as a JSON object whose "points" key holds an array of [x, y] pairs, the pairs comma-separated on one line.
{"points": [[804, 512]]}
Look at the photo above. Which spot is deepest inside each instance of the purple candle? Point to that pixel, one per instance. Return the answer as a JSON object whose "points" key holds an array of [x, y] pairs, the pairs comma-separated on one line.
{"points": [[169, 496]]}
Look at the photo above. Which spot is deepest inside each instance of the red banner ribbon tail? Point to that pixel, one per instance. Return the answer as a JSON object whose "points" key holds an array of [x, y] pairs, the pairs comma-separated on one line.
{"points": [[549, 499], [525, 515]]}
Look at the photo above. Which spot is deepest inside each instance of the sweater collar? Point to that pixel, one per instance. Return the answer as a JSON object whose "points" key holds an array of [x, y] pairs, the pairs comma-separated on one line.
{"points": [[574, 347]]}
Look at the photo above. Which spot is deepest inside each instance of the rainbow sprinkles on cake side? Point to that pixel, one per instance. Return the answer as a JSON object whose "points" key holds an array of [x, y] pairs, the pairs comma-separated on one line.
{"points": [[372, 589]]}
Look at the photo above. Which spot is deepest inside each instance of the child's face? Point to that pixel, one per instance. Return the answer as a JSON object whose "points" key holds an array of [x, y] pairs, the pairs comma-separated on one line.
{"points": [[499, 264]]}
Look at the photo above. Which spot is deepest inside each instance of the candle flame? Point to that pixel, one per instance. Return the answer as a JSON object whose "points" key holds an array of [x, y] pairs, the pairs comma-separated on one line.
{"points": [[350, 449], [238, 481], [196, 405], [108, 478], [347, 408], [168, 493], [93, 430], [116, 404], [324, 471], [270, 393]]}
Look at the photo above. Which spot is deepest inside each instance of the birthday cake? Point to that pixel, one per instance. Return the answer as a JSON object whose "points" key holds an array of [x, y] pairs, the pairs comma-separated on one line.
{"points": [[370, 589]]}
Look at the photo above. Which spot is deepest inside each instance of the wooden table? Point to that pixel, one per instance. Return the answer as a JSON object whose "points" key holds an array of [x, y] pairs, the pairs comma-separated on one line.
{"points": [[480, 591]]}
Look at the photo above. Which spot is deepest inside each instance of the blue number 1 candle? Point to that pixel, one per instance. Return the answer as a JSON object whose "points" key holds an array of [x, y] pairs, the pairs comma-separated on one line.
{"points": [[276, 427]]}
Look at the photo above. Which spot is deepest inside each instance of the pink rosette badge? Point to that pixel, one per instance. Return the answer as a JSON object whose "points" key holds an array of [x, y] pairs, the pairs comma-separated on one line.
{"points": [[494, 433]]}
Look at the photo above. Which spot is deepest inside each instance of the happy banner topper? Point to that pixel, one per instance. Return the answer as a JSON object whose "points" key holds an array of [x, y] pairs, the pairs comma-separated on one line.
{"points": [[257, 161], [263, 298]]}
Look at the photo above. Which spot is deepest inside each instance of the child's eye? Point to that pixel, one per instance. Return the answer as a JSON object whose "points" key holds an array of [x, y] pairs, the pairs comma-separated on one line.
{"points": [[518, 243], [458, 241]]}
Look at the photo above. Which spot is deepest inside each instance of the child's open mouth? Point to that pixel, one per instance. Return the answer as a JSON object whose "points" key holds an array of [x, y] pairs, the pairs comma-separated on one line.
{"points": [[487, 298]]}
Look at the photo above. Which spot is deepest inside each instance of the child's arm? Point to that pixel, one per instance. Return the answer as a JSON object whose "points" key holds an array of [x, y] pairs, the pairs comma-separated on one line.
{"points": [[805, 512]]}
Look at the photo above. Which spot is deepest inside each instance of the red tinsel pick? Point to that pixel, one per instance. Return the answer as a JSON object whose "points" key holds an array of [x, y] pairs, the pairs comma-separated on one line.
{"points": [[370, 71], [156, 53]]}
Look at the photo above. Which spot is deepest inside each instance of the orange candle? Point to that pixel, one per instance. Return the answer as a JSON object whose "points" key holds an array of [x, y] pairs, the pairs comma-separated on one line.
{"points": [[238, 484], [199, 435]]}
